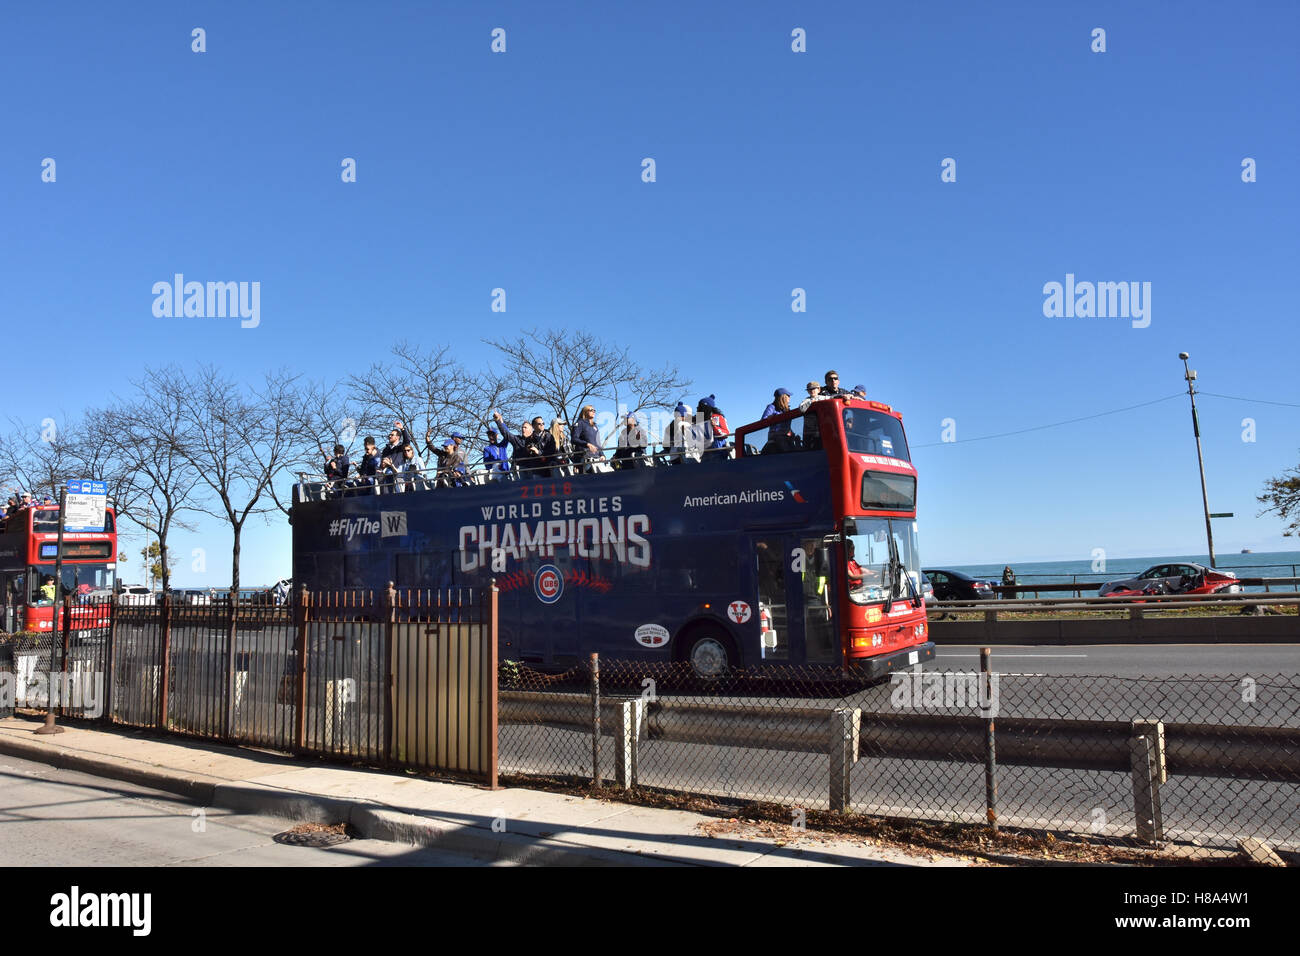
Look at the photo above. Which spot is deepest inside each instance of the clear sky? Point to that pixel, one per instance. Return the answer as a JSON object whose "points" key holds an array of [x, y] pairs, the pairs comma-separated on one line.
{"points": [[775, 170]]}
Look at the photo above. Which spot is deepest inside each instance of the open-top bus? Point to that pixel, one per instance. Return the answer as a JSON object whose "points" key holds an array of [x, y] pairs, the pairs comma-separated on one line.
{"points": [[28, 549], [805, 556]]}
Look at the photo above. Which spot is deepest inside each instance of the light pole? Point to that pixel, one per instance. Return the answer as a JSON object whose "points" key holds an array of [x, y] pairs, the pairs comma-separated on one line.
{"points": [[1190, 375]]}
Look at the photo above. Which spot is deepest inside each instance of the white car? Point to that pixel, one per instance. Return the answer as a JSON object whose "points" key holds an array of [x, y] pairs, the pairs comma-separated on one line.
{"points": [[134, 594]]}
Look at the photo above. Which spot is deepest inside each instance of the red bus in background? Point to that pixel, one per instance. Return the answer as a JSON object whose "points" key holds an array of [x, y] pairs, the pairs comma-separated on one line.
{"points": [[28, 549]]}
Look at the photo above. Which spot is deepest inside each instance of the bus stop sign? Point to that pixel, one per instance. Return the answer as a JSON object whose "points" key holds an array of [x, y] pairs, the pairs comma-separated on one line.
{"points": [[86, 503]]}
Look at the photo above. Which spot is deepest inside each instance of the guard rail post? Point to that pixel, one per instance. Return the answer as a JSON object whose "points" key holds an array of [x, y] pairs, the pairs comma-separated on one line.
{"points": [[990, 744], [628, 742], [302, 609], [845, 736], [595, 719], [1147, 757]]}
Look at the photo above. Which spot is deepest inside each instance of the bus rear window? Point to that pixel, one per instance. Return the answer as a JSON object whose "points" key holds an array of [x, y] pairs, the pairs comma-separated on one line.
{"points": [[886, 490], [870, 432]]}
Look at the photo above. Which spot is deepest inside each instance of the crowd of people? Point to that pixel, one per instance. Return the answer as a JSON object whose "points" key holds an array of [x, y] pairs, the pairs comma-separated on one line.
{"points": [[20, 502], [539, 451]]}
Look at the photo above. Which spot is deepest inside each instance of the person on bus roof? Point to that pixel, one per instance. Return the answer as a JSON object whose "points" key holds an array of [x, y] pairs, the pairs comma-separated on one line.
{"points": [[718, 429], [368, 466], [860, 391], [780, 438], [451, 459], [586, 438], [496, 455], [526, 445], [549, 450], [675, 434], [832, 387], [632, 439], [397, 438], [337, 467]]}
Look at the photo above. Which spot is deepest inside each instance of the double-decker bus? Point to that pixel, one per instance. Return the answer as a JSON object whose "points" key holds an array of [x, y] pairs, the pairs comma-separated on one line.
{"points": [[807, 556], [28, 549]]}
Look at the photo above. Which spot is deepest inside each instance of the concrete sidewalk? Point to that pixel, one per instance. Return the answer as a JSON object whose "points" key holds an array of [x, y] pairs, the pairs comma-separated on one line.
{"points": [[509, 825]]}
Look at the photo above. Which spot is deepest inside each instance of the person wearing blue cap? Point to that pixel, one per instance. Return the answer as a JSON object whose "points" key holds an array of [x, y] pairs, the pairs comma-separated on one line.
{"points": [[496, 456], [451, 459], [718, 431], [780, 437], [674, 438], [860, 391]]}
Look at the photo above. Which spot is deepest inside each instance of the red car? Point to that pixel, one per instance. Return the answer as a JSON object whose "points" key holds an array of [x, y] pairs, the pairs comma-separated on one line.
{"points": [[1173, 579]]}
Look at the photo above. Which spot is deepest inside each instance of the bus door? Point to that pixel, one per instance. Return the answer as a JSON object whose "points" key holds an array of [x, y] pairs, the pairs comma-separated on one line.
{"points": [[13, 585], [796, 587]]}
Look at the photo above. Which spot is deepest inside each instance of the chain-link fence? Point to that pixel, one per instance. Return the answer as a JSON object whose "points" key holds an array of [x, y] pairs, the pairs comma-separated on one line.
{"points": [[1194, 761], [1198, 761]]}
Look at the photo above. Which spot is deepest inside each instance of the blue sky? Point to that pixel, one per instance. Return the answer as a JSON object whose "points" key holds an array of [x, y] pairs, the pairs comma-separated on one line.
{"points": [[775, 170]]}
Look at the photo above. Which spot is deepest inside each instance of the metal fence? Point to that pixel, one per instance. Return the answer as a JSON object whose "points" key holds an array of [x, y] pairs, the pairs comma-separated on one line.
{"points": [[402, 677], [1197, 761], [410, 678]]}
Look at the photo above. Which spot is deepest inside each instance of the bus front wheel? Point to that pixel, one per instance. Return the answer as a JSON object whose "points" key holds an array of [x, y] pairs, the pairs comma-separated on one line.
{"points": [[709, 652]]}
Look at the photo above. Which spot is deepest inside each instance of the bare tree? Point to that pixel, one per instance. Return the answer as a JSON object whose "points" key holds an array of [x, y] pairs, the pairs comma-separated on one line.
{"points": [[325, 414], [428, 387], [239, 446], [37, 458], [136, 443], [564, 370]]}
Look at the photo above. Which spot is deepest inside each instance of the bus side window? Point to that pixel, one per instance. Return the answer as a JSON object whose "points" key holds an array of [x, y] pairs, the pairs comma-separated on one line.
{"points": [[676, 567], [812, 437]]}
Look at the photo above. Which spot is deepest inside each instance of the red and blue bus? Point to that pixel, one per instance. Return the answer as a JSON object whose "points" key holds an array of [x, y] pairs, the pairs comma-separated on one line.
{"points": [[807, 556], [28, 549]]}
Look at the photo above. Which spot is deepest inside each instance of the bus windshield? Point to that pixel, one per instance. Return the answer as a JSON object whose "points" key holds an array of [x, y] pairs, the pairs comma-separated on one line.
{"points": [[79, 579], [871, 432], [873, 576]]}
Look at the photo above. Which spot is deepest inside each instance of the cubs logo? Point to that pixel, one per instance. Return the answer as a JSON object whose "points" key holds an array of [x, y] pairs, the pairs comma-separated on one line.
{"points": [[548, 584], [738, 611]]}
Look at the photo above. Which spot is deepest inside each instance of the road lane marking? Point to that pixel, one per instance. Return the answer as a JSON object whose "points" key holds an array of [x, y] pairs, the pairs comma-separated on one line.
{"points": [[1002, 656]]}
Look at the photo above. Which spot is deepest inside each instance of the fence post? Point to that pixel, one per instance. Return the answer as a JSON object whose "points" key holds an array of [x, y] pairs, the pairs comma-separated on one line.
{"points": [[493, 688], [628, 742], [165, 659], [595, 719], [50, 727], [109, 644], [845, 723], [390, 616], [1147, 758], [990, 745], [300, 674], [228, 714]]}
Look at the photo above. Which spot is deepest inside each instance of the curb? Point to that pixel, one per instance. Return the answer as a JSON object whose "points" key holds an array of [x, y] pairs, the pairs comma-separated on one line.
{"points": [[373, 821]]}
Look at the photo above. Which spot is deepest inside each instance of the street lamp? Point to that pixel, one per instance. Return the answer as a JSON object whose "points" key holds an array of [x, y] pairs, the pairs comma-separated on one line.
{"points": [[1190, 375]]}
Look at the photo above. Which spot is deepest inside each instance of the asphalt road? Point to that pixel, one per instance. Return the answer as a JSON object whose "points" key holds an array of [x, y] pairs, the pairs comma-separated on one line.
{"points": [[53, 817], [1096, 682], [1129, 660]]}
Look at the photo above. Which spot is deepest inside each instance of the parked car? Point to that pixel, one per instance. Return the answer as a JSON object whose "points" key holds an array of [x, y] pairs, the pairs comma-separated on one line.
{"points": [[927, 590], [1173, 579], [134, 594], [957, 586]]}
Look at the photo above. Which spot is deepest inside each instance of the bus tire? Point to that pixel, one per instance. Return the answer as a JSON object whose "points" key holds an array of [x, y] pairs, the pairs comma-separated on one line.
{"points": [[709, 650]]}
